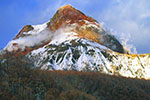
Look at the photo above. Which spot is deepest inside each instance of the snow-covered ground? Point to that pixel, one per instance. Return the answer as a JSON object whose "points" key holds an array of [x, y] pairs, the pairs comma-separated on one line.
{"points": [[86, 55]]}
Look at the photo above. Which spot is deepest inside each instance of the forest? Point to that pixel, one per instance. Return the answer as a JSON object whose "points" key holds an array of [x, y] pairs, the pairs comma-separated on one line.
{"points": [[20, 80]]}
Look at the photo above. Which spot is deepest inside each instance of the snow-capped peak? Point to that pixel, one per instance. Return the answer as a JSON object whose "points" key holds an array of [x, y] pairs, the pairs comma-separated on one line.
{"points": [[73, 41]]}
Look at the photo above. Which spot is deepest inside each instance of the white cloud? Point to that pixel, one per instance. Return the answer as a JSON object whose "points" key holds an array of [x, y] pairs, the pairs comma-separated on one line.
{"points": [[130, 17], [29, 41], [145, 15], [41, 34]]}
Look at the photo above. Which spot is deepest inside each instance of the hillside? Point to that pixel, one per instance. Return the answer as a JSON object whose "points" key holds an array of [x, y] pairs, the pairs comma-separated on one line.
{"points": [[18, 81]]}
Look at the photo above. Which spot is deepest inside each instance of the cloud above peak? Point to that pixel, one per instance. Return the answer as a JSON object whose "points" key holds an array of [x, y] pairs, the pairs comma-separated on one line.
{"points": [[130, 17]]}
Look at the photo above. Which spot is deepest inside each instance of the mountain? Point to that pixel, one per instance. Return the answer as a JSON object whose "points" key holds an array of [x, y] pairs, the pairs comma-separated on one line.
{"points": [[73, 41]]}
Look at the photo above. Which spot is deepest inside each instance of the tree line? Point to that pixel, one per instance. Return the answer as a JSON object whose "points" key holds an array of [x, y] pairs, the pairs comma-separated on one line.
{"points": [[19, 80]]}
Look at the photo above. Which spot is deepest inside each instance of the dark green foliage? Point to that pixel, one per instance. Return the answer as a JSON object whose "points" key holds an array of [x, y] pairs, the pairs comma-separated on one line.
{"points": [[19, 81]]}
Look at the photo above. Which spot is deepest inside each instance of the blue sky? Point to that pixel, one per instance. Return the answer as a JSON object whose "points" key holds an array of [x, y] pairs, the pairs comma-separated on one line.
{"points": [[128, 20]]}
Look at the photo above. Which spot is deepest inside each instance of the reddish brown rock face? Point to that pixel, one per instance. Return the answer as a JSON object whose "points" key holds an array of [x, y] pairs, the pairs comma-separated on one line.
{"points": [[26, 28], [65, 15], [68, 15]]}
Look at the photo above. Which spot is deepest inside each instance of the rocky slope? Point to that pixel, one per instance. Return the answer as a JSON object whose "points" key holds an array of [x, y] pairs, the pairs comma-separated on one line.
{"points": [[73, 41]]}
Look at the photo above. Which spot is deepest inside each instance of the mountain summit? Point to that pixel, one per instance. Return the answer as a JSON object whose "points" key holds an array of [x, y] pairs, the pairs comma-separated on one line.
{"points": [[77, 22], [73, 41], [68, 15], [85, 27]]}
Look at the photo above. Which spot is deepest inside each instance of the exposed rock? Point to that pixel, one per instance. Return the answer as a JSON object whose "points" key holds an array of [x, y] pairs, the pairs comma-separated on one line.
{"points": [[67, 15], [86, 27], [26, 28]]}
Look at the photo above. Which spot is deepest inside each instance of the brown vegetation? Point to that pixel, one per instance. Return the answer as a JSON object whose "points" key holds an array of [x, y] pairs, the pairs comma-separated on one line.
{"points": [[19, 80]]}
